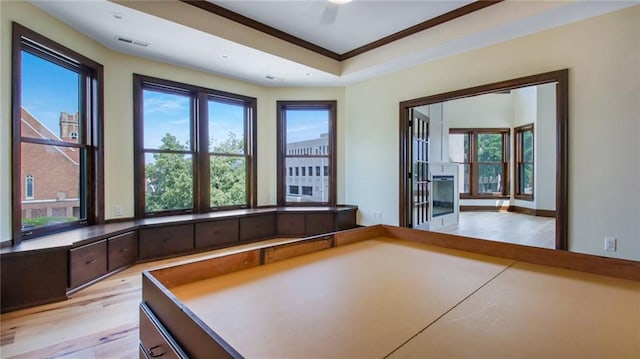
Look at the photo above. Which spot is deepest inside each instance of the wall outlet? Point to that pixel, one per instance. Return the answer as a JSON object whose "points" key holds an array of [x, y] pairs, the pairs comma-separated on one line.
{"points": [[610, 244], [118, 211]]}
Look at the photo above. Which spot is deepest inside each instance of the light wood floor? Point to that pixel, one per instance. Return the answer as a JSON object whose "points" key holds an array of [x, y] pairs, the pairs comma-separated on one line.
{"points": [[506, 227], [100, 321]]}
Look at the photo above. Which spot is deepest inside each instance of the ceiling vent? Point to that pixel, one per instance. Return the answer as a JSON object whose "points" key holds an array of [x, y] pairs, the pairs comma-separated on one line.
{"points": [[132, 42]]}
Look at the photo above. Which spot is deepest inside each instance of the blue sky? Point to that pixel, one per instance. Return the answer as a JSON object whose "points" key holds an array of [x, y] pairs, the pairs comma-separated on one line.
{"points": [[49, 89], [306, 124]]}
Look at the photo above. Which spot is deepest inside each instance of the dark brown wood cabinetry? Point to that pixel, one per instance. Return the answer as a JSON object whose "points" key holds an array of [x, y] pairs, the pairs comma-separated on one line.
{"points": [[33, 277], [319, 223], [217, 233], [47, 269], [256, 227], [291, 224], [123, 250], [165, 241], [87, 263], [154, 340]]}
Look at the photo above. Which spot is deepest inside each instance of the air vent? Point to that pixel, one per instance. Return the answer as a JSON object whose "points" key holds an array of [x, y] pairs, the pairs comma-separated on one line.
{"points": [[132, 42]]}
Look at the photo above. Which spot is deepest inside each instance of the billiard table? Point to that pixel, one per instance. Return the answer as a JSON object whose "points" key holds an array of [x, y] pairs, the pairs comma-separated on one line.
{"points": [[385, 291]]}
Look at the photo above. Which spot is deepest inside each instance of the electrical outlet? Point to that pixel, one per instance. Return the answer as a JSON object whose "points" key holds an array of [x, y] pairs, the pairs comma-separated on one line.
{"points": [[117, 210], [609, 244]]}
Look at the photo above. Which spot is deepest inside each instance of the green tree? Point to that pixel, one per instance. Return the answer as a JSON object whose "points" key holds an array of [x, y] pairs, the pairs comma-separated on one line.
{"points": [[228, 173], [169, 178], [489, 151]]}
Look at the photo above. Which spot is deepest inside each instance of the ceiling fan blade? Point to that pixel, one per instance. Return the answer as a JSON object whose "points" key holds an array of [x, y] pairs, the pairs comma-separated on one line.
{"points": [[329, 14]]}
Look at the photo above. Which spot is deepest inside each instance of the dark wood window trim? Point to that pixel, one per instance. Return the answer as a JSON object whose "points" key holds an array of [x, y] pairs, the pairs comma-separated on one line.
{"points": [[91, 112], [474, 164], [518, 162], [330, 152], [199, 97], [561, 79]]}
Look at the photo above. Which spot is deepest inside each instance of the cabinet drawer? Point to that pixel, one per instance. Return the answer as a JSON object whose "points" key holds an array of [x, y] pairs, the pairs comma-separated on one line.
{"points": [[346, 220], [257, 227], [87, 263], [123, 250], [319, 223], [291, 224], [165, 241], [154, 340], [216, 233]]}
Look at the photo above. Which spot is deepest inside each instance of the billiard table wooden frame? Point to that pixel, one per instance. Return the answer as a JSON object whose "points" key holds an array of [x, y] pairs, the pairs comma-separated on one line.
{"points": [[169, 327]]}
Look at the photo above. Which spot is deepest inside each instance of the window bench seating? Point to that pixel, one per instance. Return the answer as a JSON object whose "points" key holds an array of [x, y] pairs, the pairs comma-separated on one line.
{"points": [[47, 269]]}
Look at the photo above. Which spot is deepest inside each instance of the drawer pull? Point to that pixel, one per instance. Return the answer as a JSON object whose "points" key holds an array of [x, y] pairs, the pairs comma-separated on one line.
{"points": [[124, 250], [154, 355], [91, 261]]}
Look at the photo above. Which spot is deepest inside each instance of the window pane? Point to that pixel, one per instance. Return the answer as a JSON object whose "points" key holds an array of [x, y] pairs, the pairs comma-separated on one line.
{"points": [[50, 192], [307, 131], [489, 147], [226, 127], [169, 182], [50, 100], [526, 178], [165, 114], [527, 146], [228, 181], [465, 186], [459, 147], [490, 178], [302, 188]]}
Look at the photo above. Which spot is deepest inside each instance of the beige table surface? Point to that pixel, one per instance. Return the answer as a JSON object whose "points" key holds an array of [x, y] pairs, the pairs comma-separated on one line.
{"points": [[362, 300], [532, 311], [388, 297]]}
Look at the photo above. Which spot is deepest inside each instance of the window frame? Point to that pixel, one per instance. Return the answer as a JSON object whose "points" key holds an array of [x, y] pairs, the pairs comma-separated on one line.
{"points": [[329, 153], [199, 148], [91, 174], [518, 161], [474, 164]]}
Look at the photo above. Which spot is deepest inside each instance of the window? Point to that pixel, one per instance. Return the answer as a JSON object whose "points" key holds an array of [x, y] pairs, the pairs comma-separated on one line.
{"points": [[524, 162], [57, 96], [28, 187], [306, 125], [194, 148], [294, 190], [483, 154]]}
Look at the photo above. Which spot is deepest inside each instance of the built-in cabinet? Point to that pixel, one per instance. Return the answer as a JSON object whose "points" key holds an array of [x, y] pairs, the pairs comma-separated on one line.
{"points": [[47, 270], [122, 250], [219, 233], [87, 263], [164, 241]]}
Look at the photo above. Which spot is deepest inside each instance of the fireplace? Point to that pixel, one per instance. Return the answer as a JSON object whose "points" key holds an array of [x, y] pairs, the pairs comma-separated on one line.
{"points": [[443, 195]]}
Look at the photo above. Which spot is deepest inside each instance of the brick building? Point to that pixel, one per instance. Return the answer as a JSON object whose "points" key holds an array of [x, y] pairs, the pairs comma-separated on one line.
{"points": [[50, 174]]}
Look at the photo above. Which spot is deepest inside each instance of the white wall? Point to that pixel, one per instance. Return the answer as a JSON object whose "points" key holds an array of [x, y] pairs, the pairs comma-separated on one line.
{"points": [[603, 57], [118, 114], [545, 148]]}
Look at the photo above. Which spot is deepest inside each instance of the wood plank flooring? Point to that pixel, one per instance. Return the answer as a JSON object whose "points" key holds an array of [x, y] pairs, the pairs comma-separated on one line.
{"points": [[507, 227], [100, 321]]}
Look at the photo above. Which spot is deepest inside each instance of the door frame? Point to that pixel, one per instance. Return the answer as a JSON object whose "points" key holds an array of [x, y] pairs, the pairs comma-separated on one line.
{"points": [[561, 77]]}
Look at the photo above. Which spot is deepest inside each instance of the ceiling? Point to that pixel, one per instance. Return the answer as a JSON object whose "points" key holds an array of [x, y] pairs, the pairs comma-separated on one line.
{"points": [[179, 33]]}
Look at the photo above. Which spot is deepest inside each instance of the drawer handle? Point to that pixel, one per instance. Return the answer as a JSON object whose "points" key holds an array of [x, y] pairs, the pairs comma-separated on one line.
{"points": [[124, 250], [91, 261], [154, 355]]}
